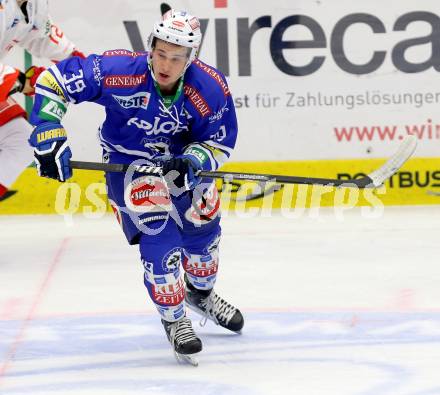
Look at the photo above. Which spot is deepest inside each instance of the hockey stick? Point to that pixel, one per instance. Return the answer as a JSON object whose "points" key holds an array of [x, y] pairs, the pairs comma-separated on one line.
{"points": [[373, 180]]}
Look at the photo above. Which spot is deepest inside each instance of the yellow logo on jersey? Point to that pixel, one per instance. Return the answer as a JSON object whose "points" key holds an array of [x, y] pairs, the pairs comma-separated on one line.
{"points": [[49, 81], [51, 134]]}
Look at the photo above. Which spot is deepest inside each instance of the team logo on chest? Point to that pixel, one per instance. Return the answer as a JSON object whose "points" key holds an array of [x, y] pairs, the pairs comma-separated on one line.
{"points": [[159, 126]]}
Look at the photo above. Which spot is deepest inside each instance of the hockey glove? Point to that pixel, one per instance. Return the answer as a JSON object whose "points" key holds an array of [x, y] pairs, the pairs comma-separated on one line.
{"points": [[25, 82], [32, 74], [51, 152], [181, 172]]}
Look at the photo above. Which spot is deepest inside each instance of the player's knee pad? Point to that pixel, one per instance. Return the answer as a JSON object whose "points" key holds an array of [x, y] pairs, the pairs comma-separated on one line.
{"points": [[201, 269], [164, 281]]}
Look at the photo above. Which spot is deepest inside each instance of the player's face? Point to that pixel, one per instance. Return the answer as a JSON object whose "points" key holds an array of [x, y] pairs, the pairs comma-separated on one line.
{"points": [[169, 60]]}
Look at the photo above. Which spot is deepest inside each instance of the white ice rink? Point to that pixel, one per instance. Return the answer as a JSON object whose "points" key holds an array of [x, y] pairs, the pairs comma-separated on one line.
{"points": [[331, 307]]}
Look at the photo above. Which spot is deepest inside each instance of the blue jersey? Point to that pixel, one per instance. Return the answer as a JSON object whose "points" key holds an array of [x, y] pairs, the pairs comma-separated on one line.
{"points": [[200, 122]]}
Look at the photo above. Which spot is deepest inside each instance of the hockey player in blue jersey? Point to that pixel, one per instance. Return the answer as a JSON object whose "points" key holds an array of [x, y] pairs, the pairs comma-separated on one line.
{"points": [[163, 107]]}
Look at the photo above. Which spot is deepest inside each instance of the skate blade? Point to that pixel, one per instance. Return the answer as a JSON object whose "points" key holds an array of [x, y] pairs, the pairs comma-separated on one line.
{"points": [[186, 359]]}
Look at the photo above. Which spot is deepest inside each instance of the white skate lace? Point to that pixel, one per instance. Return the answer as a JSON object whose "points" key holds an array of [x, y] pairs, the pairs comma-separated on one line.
{"points": [[216, 309], [182, 332]]}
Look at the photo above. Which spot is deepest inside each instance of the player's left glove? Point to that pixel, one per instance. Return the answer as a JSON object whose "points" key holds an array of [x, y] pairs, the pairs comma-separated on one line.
{"points": [[51, 151], [181, 172], [32, 74], [25, 82]]}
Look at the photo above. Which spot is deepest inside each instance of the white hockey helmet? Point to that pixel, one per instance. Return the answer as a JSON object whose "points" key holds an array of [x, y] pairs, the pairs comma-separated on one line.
{"points": [[180, 28]]}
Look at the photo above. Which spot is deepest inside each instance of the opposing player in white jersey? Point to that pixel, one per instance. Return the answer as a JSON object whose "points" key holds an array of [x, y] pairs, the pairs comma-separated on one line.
{"points": [[27, 24]]}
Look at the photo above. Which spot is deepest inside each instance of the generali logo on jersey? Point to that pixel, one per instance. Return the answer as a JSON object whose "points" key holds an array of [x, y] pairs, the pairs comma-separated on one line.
{"points": [[197, 100], [138, 100], [122, 81], [123, 52]]}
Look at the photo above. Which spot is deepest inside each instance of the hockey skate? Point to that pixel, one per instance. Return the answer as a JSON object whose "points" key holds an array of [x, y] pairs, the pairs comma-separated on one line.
{"points": [[210, 305], [183, 339]]}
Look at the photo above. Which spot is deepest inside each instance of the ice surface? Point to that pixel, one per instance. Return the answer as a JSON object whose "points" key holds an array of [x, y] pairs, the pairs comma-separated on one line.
{"points": [[332, 306]]}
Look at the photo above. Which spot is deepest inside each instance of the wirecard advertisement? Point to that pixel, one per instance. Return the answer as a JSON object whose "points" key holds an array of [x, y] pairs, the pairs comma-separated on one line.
{"points": [[310, 80], [321, 89]]}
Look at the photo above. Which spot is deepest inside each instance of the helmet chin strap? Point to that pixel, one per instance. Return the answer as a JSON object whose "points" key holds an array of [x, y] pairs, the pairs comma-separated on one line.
{"points": [[150, 66]]}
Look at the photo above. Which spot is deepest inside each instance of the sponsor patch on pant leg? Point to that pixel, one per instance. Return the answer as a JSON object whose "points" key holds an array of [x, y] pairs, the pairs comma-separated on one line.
{"points": [[201, 270], [165, 285]]}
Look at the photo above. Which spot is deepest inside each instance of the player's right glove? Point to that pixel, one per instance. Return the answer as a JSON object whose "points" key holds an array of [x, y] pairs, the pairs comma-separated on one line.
{"points": [[51, 151], [181, 172]]}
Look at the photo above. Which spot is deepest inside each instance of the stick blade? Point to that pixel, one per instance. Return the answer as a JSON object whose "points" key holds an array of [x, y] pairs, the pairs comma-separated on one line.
{"points": [[392, 165]]}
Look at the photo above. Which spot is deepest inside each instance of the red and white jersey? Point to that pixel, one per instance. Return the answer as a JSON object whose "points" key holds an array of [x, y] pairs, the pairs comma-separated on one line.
{"points": [[38, 35]]}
